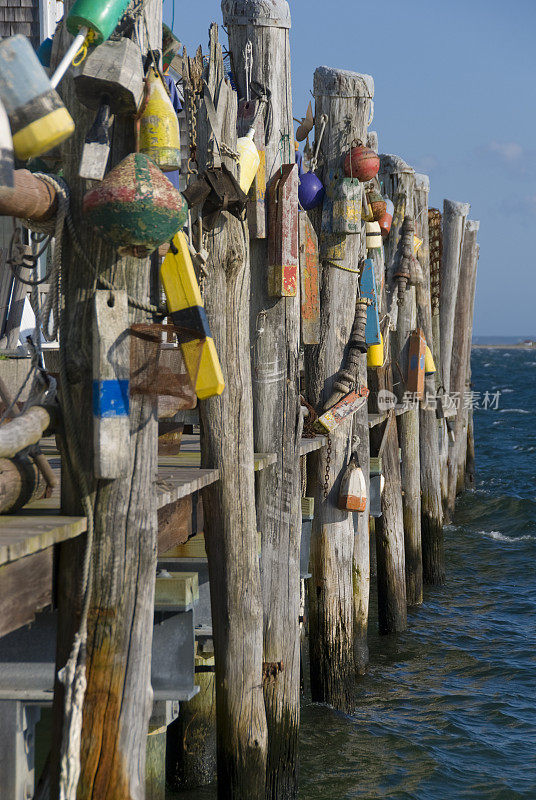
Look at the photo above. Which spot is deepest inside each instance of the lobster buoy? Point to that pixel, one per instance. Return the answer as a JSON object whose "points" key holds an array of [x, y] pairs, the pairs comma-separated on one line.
{"points": [[361, 163], [249, 160], [100, 18], [353, 490], [39, 120], [375, 355], [6, 152], [429, 363], [135, 207], [310, 191], [387, 219], [377, 205], [374, 236], [159, 135]]}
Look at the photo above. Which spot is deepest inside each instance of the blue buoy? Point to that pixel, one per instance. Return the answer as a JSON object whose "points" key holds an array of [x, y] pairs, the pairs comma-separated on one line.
{"points": [[310, 191]]}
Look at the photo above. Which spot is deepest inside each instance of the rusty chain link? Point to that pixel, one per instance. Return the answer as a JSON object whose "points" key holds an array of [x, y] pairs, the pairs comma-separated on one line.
{"points": [[328, 466]]}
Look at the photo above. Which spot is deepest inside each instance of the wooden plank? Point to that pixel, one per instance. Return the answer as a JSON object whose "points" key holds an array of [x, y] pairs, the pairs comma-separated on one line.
{"points": [[176, 591], [174, 483], [29, 533], [309, 281], [174, 524], [312, 444], [25, 589]]}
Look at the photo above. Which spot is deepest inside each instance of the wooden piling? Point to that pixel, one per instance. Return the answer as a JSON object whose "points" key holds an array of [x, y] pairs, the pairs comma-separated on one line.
{"points": [[460, 365], [399, 183], [229, 504], [454, 216], [345, 97], [118, 698], [275, 331], [433, 568]]}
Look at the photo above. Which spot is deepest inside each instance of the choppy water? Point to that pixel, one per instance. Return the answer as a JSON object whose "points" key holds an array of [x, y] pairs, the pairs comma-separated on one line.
{"points": [[448, 709]]}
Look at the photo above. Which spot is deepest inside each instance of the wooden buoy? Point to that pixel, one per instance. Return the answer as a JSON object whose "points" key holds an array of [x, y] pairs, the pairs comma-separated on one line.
{"points": [[416, 360], [353, 488], [250, 116], [135, 206], [342, 410], [159, 135], [375, 355], [386, 220], [367, 287], [111, 81], [345, 206], [309, 281], [187, 313], [111, 385], [377, 204], [39, 120], [6, 151], [283, 232], [374, 236], [249, 159]]}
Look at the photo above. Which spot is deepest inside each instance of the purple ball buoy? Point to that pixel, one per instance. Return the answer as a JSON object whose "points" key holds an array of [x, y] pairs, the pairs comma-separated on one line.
{"points": [[310, 191]]}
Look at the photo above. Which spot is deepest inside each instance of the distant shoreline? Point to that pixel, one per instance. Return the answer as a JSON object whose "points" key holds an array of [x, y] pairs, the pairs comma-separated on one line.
{"points": [[519, 346]]}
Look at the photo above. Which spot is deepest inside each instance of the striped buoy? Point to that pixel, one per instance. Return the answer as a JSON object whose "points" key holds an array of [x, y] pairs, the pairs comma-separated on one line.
{"points": [[136, 207], [6, 151]]}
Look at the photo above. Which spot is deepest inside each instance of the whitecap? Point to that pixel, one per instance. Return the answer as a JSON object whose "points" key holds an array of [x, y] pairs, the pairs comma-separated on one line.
{"points": [[514, 411], [501, 537], [507, 391]]}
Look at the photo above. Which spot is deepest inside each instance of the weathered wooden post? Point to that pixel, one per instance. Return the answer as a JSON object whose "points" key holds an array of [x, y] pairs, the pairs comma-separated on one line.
{"points": [[118, 698], [345, 97], [461, 356], [399, 183], [454, 216], [431, 507], [229, 504], [275, 330]]}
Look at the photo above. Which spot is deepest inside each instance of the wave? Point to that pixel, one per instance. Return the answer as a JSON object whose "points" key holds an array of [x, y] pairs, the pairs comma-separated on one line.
{"points": [[514, 411], [501, 537]]}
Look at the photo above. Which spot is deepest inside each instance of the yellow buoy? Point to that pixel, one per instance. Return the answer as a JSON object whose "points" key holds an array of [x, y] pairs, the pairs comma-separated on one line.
{"points": [[187, 312], [159, 135], [429, 364], [249, 160], [375, 354]]}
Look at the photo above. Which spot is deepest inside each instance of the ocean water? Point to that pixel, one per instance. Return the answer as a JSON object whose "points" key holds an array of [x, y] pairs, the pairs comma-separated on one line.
{"points": [[448, 709]]}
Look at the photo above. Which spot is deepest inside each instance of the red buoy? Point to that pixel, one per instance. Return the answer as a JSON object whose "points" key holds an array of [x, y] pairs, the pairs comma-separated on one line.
{"points": [[361, 163]]}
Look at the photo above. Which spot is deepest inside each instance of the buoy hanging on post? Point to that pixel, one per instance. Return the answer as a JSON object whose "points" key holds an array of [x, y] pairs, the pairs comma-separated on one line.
{"points": [[110, 80], [92, 20], [6, 151], [375, 355], [416, 360], [158, 132], [367, 287], [309, 281], [374, 236], [361, 163], [187, 313], [250, 117], [311, 190], [387, 219], [283, 232], [111, 385], [135, 207], [353, 488], [39, 120], [429, 363]]}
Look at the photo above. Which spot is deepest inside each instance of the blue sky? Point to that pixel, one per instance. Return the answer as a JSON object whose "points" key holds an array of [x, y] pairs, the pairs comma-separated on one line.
{"points": [[455, 96]]}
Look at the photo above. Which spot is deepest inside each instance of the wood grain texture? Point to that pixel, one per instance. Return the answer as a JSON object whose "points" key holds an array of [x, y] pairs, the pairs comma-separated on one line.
{"points": [[26, 429], [433, 568], [277, 421], [118, 698], [460, 364], [333, 607], [25, 589], [229, 505]]}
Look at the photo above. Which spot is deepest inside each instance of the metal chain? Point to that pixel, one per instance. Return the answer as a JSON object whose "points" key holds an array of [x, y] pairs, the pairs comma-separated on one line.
{"points": [[328, 467]]}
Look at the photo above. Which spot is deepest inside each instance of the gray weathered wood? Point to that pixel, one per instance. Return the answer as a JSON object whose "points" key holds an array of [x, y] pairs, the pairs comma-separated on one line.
{"points": [[461, 354], [111, 363], [346, 98], [25, 589], [275, 332], [431, 508], [229, 505], [399, 183], [26, 429], [118, 698]]}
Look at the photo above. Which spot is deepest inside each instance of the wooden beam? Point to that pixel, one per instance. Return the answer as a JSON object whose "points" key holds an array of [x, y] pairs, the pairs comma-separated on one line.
{"points": [[346, 98], [433, 568], [25, 589], [460, 366], [276, 407], [30, 198], [229, 506], [23, 431]]}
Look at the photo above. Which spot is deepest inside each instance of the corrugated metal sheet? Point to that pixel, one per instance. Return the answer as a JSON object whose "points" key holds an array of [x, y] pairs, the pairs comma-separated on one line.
{"points": [[20, 16]]}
